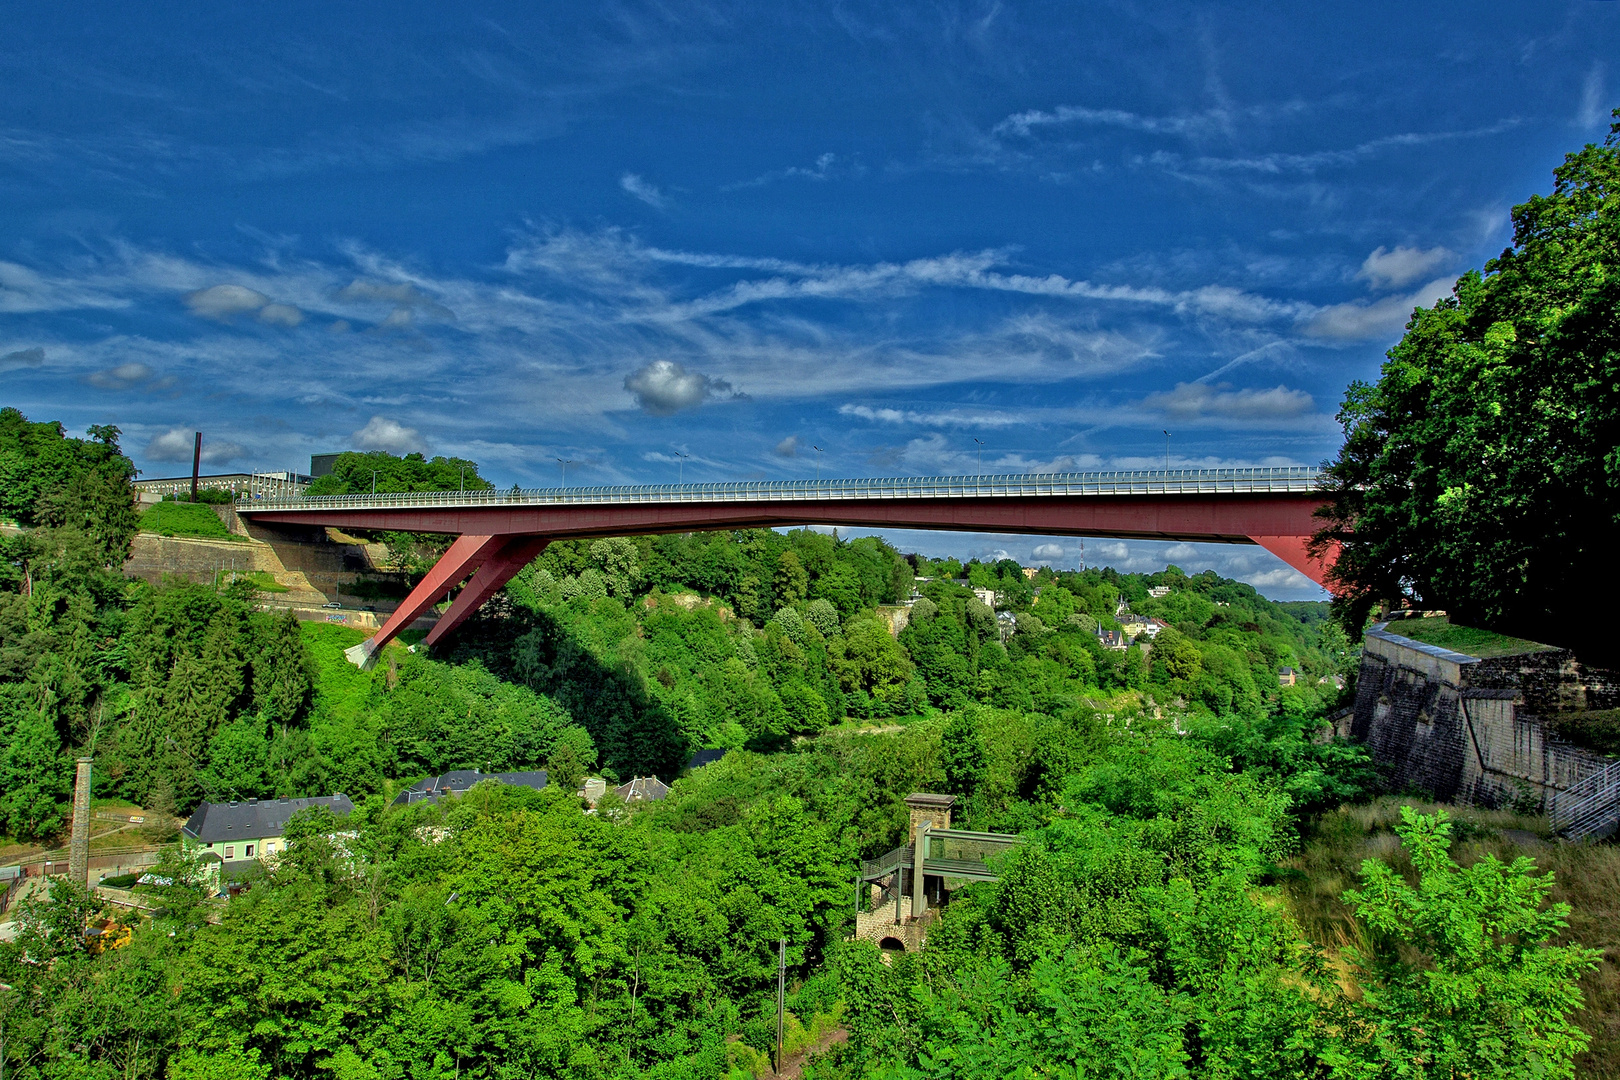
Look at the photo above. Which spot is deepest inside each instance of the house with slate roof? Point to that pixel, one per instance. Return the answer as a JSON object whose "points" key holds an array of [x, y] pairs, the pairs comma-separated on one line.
{"points": [[237, 833], [642, 789], [460, 781]]}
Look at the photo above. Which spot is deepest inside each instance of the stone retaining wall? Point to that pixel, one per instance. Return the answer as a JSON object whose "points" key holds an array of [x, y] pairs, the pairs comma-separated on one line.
{"points": [[1469, 730]]}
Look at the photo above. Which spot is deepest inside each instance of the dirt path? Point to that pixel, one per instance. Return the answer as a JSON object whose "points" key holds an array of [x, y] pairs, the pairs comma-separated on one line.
{"points": [[795, 1064]]}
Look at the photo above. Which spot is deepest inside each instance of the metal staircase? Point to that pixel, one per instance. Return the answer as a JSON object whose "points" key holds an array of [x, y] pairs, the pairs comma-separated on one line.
{"points": [[1589, 809]]}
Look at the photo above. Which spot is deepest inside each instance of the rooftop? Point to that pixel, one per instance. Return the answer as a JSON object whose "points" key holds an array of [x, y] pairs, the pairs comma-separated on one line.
{"points": [[255, 818], [457, 781]]}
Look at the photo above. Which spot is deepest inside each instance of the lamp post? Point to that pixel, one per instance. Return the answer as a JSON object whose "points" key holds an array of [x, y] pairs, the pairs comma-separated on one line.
{"points": [[981, 455], [564, 466], [374, 481], [1166, 450], [819, 451], [680, 467]]}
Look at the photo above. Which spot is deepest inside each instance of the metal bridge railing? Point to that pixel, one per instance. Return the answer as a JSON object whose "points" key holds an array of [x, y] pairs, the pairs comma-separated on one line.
{"points": [[1297, 479]]}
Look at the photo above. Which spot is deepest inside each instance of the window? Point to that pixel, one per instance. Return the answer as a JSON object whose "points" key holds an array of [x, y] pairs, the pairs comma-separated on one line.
{"points": [[250, 851], [230, 852]]}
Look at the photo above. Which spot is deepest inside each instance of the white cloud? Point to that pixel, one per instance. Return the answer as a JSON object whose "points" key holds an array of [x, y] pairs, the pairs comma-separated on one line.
{"points": [[641, 189], [1048, 552], [390, 436], [1394, 268], [222, 302], [23, 358], [788, 447], [1592, 113], [664, 387], [177, 444], [1194, 401], [1181, 551], [23, 290], [122, 377], [1360, 320], [281, 315], [1025, 123], [948, 418]]}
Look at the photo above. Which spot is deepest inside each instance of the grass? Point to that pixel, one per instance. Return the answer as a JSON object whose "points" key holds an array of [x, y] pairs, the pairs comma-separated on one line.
{"points": [[1586, 876], [1596, 729], [185, 519], [1439, 630], [264, 581]]}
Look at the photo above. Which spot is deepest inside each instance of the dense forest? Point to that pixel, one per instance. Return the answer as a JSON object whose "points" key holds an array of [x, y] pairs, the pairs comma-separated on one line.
{"points": [[1143, 930]]}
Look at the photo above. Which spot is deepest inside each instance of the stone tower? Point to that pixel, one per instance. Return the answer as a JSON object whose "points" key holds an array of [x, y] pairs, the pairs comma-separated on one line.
{"points": [[79, 844]]}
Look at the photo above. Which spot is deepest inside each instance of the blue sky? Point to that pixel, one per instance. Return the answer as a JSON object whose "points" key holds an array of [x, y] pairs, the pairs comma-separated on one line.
{"points": [[620, 233]]}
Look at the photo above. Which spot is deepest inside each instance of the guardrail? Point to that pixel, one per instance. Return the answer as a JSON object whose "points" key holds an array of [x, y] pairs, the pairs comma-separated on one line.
{"points": [[1295, 479], [1590, 807]]}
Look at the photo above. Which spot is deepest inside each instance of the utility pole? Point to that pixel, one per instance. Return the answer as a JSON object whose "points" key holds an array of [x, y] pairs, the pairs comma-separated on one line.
{"points": [[781, 996], [981, 455], [196, 464]]}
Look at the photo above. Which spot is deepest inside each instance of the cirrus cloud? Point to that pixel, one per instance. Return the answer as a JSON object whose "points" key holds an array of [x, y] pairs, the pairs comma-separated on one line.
{"points": [[1196, 400]]}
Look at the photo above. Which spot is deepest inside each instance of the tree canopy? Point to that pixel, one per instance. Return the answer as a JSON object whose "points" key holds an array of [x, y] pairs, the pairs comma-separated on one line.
{"points": [[1481, 473]]}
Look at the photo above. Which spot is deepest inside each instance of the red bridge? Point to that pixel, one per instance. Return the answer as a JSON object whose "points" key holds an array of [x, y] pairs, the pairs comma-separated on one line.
{"points": [[499, 533]]}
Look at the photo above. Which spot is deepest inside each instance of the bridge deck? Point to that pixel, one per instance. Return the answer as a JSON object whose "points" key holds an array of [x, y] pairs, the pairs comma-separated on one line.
{"points": [[500, 532], [1291, 480]]}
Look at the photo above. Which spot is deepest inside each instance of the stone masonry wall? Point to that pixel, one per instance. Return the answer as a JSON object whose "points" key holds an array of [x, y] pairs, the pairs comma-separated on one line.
{"points": [[1469, 730]]}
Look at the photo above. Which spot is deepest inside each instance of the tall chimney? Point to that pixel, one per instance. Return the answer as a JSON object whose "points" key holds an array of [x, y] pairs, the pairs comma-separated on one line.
{"points": [[196, 464], [79, 845]]}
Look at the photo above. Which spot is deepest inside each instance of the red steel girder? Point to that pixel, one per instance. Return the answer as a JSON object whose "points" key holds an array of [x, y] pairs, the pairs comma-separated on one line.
{"points": [[1217, 518], [514, 555], [495, 542], [466, 555]]}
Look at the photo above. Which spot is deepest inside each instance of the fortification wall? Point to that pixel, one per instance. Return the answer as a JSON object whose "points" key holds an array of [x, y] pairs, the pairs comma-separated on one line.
{"points": [[312, 564], [1471, 730]]}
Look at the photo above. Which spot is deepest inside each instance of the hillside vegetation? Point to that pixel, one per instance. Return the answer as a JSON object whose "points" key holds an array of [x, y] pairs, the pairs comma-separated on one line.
{"points": [[1150, 926]]}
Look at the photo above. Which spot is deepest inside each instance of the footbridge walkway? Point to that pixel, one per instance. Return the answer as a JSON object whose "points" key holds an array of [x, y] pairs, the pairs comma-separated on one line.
{"points": [[500, 532]]}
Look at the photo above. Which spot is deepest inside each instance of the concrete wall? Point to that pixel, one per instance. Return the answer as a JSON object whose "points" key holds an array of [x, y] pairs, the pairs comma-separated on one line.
{"points": [[1469, 730], [312, 563]]}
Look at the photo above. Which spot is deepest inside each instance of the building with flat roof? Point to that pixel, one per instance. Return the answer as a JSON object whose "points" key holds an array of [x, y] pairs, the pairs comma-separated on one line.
{"points": [[241, 485]]}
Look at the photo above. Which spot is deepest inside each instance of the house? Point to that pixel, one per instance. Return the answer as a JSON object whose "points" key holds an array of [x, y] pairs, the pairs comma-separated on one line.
{"points": [[1153, 627], [1158, 591], [1287, 677], [642, 789], [1030, 572], [1112, 639], [459, 781], [987, 597], [237, 833]]}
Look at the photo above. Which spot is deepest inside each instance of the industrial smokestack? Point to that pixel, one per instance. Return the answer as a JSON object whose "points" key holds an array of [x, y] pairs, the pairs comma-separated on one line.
{"points": [[196, 464], [79, 845]]}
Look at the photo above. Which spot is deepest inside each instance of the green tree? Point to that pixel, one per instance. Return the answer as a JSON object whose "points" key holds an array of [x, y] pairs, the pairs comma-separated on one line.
{"points": [[1461, 979], [791, 580], [961, 752], [1480, 474], [34, 774]]}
